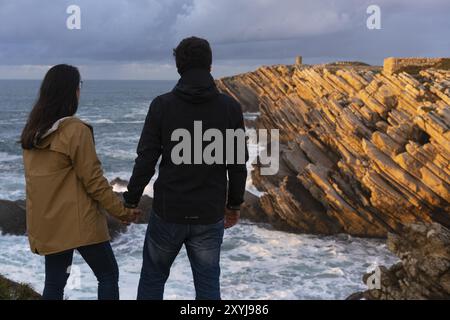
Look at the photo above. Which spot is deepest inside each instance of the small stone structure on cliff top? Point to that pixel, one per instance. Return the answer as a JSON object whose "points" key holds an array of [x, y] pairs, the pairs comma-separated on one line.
{"points": [[414, 65], [364, 149]]}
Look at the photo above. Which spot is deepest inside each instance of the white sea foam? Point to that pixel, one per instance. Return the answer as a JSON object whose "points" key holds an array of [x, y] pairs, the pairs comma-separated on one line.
{"points": [[257, 263], [12, 184], [100, 121], [139, 113], [125, 176], [6, 157], [251, 115]]}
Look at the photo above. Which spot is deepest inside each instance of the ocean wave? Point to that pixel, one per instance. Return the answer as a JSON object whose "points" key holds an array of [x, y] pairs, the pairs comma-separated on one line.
{"points": [[6, 157], [257, 263], [130, 122], [12, 185], [125, 176], [109, 121], [251, 115], [100, 121]]}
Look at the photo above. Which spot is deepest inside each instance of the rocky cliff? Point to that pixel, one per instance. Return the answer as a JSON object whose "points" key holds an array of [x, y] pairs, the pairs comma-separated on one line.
{"points": [[10, 290], [363, 149], [424, 270]]}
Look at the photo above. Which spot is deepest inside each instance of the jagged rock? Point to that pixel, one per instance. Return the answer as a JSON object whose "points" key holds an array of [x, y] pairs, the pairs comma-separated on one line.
{"points": [[12, 217], [424, 270], [251, 209], [119, 182], [363, 151]]}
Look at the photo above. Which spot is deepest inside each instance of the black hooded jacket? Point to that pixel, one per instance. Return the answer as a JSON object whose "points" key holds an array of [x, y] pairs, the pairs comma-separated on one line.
{"points": [[188, 193]]}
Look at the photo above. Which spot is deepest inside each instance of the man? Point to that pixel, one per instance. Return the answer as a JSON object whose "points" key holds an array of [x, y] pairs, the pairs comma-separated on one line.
{"points": [[192, 203]]}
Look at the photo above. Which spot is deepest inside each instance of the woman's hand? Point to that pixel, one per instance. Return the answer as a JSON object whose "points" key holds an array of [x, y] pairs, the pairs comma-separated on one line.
{"points": [[132, 216]]}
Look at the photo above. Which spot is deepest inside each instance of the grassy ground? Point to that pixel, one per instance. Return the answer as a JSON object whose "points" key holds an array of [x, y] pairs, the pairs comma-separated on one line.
{"points": [[10, 290]]}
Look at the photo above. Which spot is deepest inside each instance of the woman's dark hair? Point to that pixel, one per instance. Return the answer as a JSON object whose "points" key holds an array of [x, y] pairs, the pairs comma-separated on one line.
{"points": [[193, 53], [57, 99]]}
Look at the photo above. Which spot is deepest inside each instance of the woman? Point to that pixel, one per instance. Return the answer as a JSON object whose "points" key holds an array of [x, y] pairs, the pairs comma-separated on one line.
{"points": [[65, 188]]}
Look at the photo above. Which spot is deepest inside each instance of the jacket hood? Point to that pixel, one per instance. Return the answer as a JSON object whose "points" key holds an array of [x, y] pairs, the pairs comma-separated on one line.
{"points": [[46, 139], [196, 86]]}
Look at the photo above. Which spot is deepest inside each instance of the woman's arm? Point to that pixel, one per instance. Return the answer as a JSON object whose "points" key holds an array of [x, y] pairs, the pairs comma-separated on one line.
{"points": [[89, 170]]}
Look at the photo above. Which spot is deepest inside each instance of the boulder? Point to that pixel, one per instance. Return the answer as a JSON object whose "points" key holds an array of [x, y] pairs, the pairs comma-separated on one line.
{"points": [[12, 217]]}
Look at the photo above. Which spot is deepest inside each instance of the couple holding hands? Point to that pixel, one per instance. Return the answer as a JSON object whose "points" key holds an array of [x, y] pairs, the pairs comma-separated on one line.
{"points": [[193, 203]]}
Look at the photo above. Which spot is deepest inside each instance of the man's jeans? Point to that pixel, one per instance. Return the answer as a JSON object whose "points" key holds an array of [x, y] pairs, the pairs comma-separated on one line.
{"points": [[163, 242]]}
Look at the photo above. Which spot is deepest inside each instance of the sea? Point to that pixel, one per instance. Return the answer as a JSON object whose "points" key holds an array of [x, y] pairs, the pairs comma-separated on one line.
{"points": [[257, 261]]}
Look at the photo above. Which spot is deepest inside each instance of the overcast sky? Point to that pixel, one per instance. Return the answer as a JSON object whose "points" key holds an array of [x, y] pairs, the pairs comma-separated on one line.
{"points": [[133, 39]]}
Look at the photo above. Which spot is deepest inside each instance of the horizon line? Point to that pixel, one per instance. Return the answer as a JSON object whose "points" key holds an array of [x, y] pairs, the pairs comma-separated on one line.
{"points": [[36, 79]]}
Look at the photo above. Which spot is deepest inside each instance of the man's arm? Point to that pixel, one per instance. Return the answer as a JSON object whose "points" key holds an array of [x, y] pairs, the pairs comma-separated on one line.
{"points": [[148, 150], [237, 172]]}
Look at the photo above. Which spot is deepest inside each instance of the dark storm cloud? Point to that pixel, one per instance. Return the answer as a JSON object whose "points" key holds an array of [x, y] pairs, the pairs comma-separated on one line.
{"points": [[35, 31], [130, 31]]}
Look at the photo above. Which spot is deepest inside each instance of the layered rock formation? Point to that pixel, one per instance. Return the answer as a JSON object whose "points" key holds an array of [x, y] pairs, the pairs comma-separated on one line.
{"points": [[363, 150], [424, 270]]}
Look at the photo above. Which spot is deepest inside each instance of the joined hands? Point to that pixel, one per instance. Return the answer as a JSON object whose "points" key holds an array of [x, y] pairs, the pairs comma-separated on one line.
{"points": [[132, 216]]}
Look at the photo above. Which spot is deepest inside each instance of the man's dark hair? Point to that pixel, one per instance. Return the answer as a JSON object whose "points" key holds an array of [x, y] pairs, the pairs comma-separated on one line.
{"points": [[193, 53]]}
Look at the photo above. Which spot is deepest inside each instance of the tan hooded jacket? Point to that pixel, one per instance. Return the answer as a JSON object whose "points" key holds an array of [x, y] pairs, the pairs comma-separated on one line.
{"points": [[65, 189]]}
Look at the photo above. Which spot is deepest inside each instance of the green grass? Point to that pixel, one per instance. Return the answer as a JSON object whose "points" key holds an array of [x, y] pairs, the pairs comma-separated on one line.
{"points": [[10, 290]]}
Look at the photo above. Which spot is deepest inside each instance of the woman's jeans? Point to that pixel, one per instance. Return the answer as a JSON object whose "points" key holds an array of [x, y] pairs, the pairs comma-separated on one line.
{"points": [[163, 242], [99, 257]]}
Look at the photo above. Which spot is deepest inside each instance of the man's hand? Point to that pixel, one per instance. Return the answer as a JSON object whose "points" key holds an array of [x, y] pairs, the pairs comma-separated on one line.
{"points": [[132, 216], [231, 218]]}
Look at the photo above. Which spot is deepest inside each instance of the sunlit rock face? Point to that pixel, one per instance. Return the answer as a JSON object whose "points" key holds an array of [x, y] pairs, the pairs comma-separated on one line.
{"points": [[363, 149]]}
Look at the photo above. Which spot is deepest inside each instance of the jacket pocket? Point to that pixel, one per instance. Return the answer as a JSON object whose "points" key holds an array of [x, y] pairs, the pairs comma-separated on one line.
{"points": [[52, 208]]}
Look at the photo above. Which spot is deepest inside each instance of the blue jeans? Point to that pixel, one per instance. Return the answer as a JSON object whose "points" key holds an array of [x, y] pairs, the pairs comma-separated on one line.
{"points": [[99, 257], [163, 242]]}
